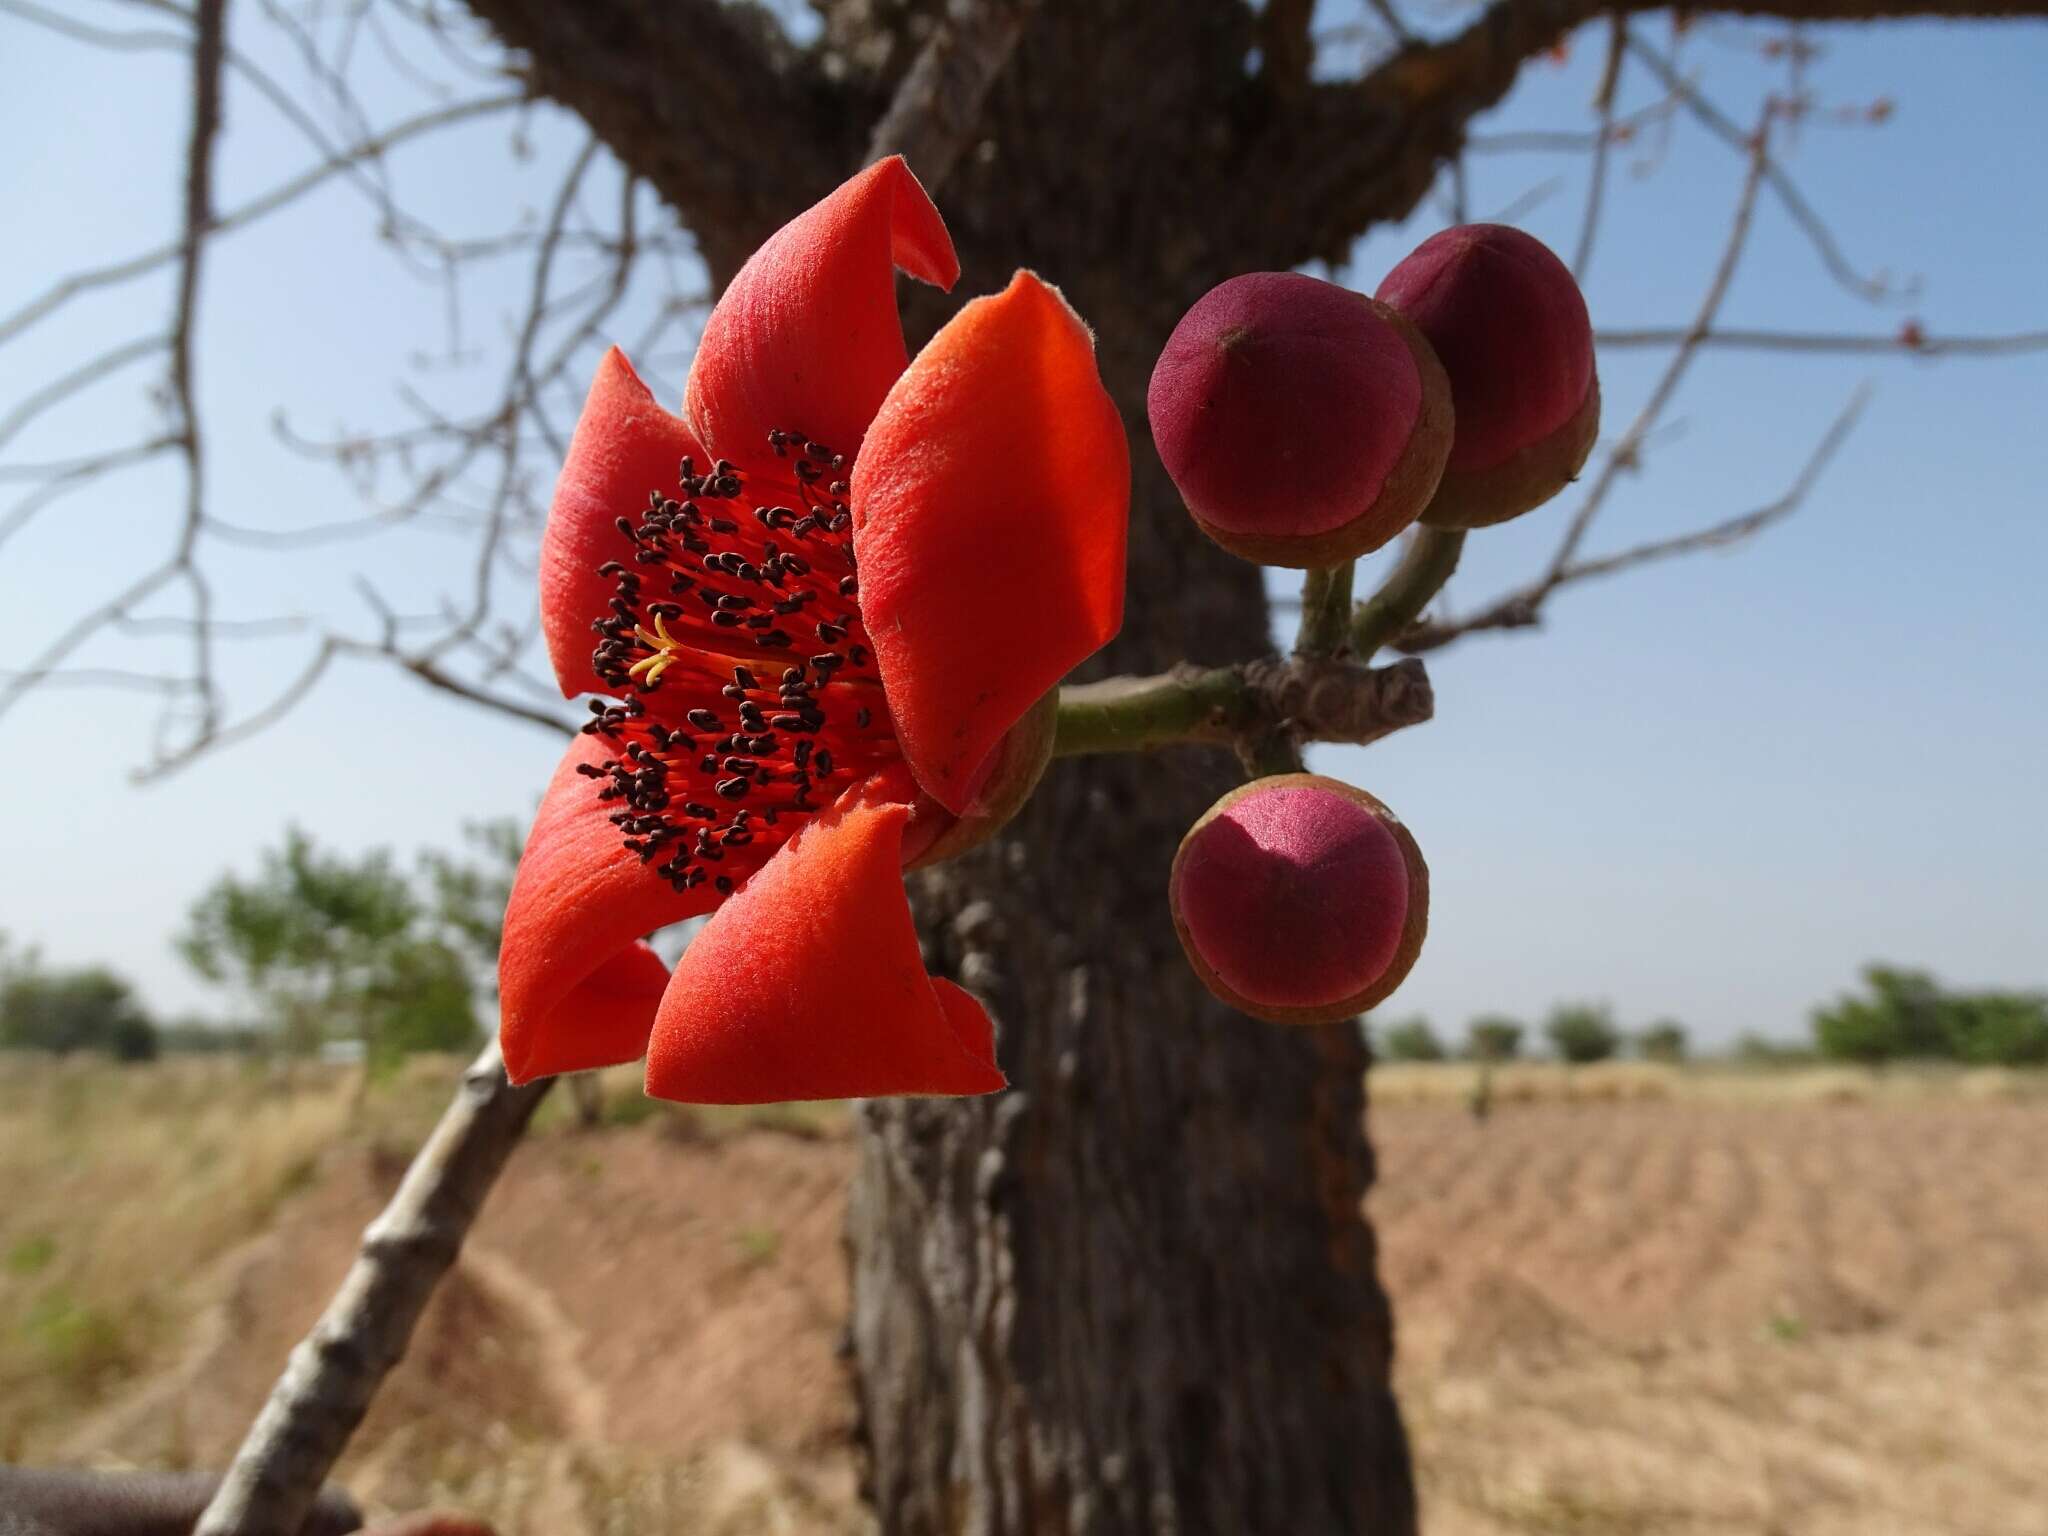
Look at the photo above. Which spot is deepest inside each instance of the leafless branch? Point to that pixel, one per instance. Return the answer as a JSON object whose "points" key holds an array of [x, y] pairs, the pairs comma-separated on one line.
{"points": [[1523, 608], [1794, 201], [1603, 143], [332, 1375], [256, 208], [63, 387], [1908, 340], [1626, 454]]}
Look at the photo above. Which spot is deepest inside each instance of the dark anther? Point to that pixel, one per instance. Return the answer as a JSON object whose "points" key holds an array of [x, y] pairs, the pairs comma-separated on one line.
{"points": [[703, 719], [734, 788], [863, 717]]}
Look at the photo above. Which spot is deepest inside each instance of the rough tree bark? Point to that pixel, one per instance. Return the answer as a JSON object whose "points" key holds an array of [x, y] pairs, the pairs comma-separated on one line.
{"points": [[1137, 1292]]}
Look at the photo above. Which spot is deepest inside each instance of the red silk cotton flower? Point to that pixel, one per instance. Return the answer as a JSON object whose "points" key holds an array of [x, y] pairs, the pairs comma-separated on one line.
{"points": [[821, 601]]}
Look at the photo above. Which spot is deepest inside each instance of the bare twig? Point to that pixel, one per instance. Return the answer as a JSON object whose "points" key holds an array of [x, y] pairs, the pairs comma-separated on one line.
{"points": [[1782, 186], [1734, 529], [269, 202], [83, 376], [1626, 454], [334, 1372], [1603, 143], [1522, 609], [1909, 340]]}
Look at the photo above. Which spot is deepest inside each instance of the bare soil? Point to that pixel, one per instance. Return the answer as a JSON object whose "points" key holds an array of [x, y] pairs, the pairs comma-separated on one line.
{"points": [[1677, 1316]]}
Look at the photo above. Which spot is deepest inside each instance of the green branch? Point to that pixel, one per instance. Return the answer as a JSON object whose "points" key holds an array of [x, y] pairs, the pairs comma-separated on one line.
{"points": [[1247, 706], [1425, 566], [1325, 611], [1136, 714]]}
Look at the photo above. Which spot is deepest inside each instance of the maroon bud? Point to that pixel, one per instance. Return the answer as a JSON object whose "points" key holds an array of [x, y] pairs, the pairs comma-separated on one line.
{"points": [[1300, 899], [1303, 423], [1510, 326]]}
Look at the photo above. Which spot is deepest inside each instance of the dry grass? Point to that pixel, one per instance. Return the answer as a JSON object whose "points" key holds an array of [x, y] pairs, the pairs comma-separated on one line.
{"points": [[1614, 1082], [1633, 1299], [124, 1186]]}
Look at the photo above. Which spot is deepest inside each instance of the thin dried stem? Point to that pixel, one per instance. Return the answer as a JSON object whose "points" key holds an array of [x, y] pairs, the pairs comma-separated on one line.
{"points": [[335, 1371]]}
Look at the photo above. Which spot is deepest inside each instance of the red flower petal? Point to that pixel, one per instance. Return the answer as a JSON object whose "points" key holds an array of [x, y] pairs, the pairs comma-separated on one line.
{"points": [[807, 984], [806, 338], [573, 993], [602, 1022], [625, 446], [990, 509]]}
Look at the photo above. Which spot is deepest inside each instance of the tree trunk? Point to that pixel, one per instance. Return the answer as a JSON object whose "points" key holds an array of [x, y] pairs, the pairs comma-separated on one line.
{"points": [[1137, 1292]]}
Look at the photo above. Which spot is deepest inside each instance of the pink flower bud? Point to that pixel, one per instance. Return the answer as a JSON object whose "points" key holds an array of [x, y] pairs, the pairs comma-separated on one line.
{"points": [[1300, 899], [1510, 326], [1303, 423]]}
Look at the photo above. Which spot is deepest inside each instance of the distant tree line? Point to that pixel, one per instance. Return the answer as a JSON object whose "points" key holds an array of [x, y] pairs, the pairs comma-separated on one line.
{"points": [[61, 1011], [1908, 1015], [1900, 1015], [315, 945], [1577, 1033]]}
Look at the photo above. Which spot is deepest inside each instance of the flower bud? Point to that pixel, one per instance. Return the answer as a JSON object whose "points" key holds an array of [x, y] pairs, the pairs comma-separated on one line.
{"points": [[1509, 324], [1302, 423], [1300, 899]]}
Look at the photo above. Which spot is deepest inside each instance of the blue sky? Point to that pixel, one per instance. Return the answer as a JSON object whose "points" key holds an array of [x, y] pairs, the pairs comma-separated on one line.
{"points": [[1709, 789]]}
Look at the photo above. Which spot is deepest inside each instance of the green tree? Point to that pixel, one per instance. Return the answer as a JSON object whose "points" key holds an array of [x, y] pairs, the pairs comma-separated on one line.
{"points": [[420, 998], [1411, 1040], [1859, 1031], [1663, 1041], [1493, 1037], [467, 897], [1909, 1014], [310, 939], [1915, 1000], [88, 1009], [2000, 1029], [1582, 1032]]}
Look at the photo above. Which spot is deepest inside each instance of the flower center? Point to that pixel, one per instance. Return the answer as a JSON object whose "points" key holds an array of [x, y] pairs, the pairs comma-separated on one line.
{"points": [[715, 768]]}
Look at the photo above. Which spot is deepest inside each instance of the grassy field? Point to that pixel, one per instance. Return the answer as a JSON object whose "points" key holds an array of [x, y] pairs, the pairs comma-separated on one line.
{"points": [[1632, 1298]]}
